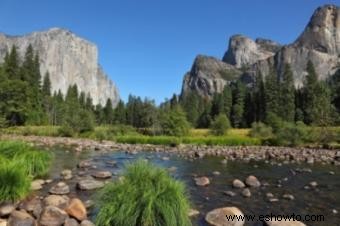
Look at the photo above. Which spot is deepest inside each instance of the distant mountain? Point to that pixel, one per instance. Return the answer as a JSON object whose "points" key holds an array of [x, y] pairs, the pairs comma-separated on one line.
{"points": [[319, 43], [69, 59]]}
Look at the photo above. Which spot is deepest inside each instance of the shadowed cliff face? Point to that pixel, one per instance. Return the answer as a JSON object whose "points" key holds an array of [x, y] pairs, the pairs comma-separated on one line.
{"points": [[69, 60], [319, 43]]}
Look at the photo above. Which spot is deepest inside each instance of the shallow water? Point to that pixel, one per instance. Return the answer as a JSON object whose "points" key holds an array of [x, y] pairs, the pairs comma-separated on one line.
{"points": [[319, 201]]}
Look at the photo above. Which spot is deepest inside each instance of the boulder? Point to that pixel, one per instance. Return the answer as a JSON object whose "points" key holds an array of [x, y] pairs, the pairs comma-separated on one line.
{"points": [[246, 193], [71, 222], [66, 174], [193, 212], [37, 185], [60, 189], [89, 184], [21, 218], [219, 217], [238, 184], [77, 209], [32, 206], [57, 200], [202, 181], [6, 209], [86, 223], [52, 216], [252, 181], [102, 174]]}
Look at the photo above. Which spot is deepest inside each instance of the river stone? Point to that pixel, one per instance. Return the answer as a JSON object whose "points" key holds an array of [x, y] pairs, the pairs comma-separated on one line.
{"points": [[3, 222], [284, 223], [246, 193], [37, 185], [238, 184], [313, 184], [102, 174], [71, 222], [217, 217], [85, 164], [288, 197], [21, 218], [52, 216], [77, 209], [60, 189], [33, 206], [193, 212], [202, 181], [89, 184], [66, 174], [230, 193], [252, 181], [86, 223], [57, 200], [6, 209]]}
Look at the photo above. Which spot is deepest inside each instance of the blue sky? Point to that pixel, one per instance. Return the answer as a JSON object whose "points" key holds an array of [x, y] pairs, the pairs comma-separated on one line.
{"points": [[146, 46]]}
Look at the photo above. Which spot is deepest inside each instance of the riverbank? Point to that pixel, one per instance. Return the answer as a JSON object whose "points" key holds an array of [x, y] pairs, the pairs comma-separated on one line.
{"points": [[244, 153]]}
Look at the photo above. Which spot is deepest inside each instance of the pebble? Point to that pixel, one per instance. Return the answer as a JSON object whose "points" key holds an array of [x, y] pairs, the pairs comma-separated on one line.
{"points": [[246, 193], [288, 197]]}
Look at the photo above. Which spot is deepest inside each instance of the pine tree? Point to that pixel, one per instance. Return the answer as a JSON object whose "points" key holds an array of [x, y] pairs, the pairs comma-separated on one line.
{"points": [[120, 113], [11, 64], [108, 112], [217, 105], [238, 105], [272, 93], [46, 88], [227, 100], [259, 99], [287, 95]]}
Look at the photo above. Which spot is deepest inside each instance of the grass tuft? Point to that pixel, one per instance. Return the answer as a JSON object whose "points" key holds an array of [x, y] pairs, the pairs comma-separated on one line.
{"points": [[14, 182], [147, 196]]}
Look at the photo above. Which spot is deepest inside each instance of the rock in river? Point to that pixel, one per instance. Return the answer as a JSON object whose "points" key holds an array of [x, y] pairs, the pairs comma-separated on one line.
{"points": [[21, 218], [60, 189], [6, 209], [202, 181], [71, 222], [77, 209], [53, 216], [89, 184], [218, 217], [238, 184], [252, 181], [57, 200], [102, 174], [246, 193]]}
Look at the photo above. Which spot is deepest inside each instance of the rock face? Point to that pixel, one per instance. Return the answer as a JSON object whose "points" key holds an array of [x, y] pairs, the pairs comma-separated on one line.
{"points": [[69, 60], [318, 43], [244, 51], [208, 75]]}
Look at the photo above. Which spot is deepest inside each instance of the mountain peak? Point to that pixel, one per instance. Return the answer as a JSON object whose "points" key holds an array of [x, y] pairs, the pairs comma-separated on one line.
{"points": [[323, 31]]}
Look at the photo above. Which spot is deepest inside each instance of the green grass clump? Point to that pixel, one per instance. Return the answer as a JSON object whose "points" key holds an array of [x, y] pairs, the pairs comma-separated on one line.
{"points": [[147, 196], [14, 182], [34, 162]]}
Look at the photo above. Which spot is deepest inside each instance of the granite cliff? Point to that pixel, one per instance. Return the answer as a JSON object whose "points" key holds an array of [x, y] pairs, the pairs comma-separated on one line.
{"points": [[69, 59], [319, 43]]}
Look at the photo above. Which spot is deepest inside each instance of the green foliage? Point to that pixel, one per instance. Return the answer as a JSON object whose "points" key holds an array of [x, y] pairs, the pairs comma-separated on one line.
{"points": [[287, 95], [261, 131], [291, 134], [174, 123], [121, 130], [220, 125], [154, 199], [34, 162], [14, 182], [272, 93], [238, 104]]}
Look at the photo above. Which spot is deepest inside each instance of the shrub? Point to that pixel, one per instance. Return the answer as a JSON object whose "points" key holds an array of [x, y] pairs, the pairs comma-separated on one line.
{"points": [[260, 130], [220, 125], [121, 130], [174, 123], [14, 182], [274, 121], [291, 134], [66, 131], [147, 196]]}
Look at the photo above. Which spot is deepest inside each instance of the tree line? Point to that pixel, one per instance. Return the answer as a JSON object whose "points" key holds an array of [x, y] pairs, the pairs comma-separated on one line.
{"points": [[26, 98]]}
